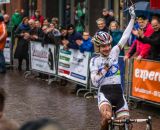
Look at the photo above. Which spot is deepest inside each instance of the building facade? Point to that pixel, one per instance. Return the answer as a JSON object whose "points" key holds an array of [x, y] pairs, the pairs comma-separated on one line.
{"points": [[57, 8]]}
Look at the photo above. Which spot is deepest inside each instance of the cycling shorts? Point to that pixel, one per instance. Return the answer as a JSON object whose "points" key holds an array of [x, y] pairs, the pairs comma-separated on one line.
{"points": [[113, 96]]}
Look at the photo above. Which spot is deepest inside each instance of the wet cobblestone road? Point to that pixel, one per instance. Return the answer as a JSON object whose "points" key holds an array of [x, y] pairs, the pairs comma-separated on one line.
{"points": [[30, 98]]}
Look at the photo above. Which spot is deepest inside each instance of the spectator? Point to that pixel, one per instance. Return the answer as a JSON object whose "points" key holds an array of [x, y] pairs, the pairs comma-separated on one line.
{"points": [[38, 16], [108, 16], [153, 40], [36, 33], [7, 23], [46, 22], [6, 19], [73, 36], [31, 23], [116, 34], [21, 52], [64, 34], [141, 50], [3, 36], [48, 36], [37, 24], [23, 13], [42, 124], [5, 123], [16, 19], [101, 25], [55, 31], [55, 21], [85, 44]]}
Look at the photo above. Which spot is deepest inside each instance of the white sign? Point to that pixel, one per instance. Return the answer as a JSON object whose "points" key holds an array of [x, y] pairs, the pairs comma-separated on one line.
{"points": [[4, 1], [42, 58], [7, 50], [73, 64]]}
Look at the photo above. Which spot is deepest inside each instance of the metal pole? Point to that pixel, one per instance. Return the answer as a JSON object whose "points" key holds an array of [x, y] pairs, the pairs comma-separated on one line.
{"points": [[72, 11]]}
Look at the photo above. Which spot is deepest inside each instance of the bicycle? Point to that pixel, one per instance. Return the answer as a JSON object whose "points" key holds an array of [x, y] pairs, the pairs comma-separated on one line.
{"points": [[127, 124]]}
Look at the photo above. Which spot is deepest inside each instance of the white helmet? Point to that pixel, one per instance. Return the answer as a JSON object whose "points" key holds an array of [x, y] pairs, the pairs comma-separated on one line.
{"points": [[102, 37]]}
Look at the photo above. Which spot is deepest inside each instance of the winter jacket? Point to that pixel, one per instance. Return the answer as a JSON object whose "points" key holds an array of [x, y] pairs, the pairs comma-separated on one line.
{"points": [[72, 40], [3, 35], [38, 32], [16, 20], [22, 44], [154, 41], [140, 48], [116, 36], [40, 18], [109, 19], [86, 46]]}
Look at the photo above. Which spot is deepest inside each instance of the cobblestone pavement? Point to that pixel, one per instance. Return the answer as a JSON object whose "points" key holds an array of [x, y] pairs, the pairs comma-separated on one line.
{"points": [[31, 98]]}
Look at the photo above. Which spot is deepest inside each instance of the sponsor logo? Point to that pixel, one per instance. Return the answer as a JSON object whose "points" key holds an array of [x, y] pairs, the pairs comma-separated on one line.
{"points": [[64, 65], [65, 51], [64, 58], [78, 76], [64, 71], [147, 75], [40, 54]]}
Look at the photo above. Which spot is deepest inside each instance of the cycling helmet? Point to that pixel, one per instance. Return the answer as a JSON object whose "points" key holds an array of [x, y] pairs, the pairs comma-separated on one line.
{"points": [[102, 38]]}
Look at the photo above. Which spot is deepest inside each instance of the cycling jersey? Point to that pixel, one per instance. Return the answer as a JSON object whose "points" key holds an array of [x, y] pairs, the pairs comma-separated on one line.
{"points": [[97, 64]]}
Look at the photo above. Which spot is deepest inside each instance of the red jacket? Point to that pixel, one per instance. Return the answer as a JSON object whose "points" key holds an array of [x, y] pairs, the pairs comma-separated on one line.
{"points": [[41, 19], [138, 47], [3, 35]]}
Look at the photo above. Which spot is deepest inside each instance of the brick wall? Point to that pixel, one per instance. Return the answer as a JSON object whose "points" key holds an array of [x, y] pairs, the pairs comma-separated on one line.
{"points": [[16, 4]]}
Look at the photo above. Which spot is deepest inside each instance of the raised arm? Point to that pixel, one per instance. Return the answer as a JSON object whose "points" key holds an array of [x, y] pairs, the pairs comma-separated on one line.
{"points": [[128, 30]]}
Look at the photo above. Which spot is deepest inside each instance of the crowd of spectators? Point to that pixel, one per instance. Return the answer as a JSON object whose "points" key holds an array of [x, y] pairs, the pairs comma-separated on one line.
{"points": [[145, 45], [39, 28]]}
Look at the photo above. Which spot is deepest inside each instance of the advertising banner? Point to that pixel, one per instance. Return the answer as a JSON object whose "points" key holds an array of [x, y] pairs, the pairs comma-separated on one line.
{"points": [[7, 51], [42, 58], [146, 80], [73, 65]]}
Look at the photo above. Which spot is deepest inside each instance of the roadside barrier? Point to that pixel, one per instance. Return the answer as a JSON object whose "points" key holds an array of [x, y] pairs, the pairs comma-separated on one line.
{"points": [[57, 62], [42, 58], [140, 82]]}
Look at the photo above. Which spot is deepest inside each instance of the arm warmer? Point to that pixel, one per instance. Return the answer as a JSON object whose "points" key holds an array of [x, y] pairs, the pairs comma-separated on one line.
{"points": [[126, 34]]}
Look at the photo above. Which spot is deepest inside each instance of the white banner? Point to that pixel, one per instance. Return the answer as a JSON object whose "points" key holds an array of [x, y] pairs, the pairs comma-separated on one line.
{"points": [[7, 50], [73, 64], [42, 58], [4, 1]]}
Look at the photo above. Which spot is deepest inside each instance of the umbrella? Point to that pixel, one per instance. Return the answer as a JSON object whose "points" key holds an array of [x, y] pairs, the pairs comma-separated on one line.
{"points": [[143, 7], [140, 6]]}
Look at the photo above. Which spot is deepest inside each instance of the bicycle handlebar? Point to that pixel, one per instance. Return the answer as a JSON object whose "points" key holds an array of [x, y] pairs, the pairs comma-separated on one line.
{"points": [[131, 120]]}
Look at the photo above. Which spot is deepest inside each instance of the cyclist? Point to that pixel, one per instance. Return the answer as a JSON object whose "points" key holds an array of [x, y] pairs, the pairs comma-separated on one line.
{"points": [[105, 74]]}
